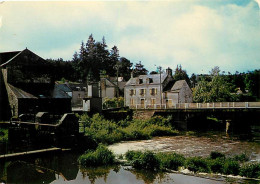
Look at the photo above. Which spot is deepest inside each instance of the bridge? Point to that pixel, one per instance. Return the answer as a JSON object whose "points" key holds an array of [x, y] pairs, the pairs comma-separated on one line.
{"points": [[212, 105], [241, 114]]}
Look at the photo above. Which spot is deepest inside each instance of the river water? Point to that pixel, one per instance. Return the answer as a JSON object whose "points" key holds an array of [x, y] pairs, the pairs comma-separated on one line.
{"points": [[63, 167]]}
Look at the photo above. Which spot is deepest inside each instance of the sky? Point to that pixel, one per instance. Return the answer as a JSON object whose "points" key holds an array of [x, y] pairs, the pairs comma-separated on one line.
{"points": [[197, 34]]}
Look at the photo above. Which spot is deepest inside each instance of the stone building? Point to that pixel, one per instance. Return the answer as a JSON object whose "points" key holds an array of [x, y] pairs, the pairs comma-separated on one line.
{"points": [[26, 80], [156, 91]]}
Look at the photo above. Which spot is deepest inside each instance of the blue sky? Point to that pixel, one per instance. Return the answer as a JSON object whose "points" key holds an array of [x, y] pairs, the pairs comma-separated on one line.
{"points": [[198, 34]]}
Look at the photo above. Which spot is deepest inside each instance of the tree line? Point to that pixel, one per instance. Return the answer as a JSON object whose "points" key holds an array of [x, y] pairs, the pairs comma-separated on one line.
{"points": [[95, 60]]}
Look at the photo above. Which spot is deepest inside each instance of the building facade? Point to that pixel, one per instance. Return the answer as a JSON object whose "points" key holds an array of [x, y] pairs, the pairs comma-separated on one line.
{"points": [[156, 91]]}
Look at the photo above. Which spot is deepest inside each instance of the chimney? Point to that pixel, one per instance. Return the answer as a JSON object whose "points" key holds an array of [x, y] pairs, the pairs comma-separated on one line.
{"points": [[169, 71]]}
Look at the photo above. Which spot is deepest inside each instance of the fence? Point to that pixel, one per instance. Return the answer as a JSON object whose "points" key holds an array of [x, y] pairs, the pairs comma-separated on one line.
{"points": [[213, 105]]}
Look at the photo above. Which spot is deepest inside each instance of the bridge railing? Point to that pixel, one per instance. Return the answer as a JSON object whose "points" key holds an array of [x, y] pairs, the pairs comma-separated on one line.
{"points": [[213, 105]]}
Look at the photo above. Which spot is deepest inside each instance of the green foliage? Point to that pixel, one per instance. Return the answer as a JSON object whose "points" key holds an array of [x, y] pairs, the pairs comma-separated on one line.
{"points": [[3, 135], [106, 131], [171, 160], [215, 155], [139, 69], [147, 160], [101, 156], [231, 167], [181, 74], [241, 158], [132, 155], [113, 102], [217, 89], [198, 164], [251, 170], [217, 164]]}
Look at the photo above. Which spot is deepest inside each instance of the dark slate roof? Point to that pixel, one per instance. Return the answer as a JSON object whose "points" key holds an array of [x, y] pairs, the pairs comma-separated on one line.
{"points": [[63, 87], [178, 85], [169, 86], [19, 93], [5, 56], [110, 83], [154, 77], [77, 87], [11, 56], [60, 91]]}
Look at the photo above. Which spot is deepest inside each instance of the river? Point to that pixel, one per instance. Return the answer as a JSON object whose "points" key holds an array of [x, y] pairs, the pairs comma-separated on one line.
{"points": [[63, 168]]}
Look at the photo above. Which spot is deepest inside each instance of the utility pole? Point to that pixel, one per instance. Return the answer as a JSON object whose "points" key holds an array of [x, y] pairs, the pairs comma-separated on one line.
{"points": [[160, 70]]}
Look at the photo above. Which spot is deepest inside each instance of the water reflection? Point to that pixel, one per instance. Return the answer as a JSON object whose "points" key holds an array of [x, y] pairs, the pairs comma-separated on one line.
{"points": [[59, 168]]}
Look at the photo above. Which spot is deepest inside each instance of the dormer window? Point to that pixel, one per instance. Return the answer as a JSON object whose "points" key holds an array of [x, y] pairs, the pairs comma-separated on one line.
{"points": [[150, 80], [140, 81]]}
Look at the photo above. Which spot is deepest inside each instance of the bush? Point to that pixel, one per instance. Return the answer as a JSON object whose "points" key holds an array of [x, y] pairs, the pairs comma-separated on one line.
{"points": [[147, 160], [108, 132], [171, 160], [215, 155], [251, 170], [241, 158], [102, 156], [217, 165], [231, 167], [198, 164], [132, 155]]}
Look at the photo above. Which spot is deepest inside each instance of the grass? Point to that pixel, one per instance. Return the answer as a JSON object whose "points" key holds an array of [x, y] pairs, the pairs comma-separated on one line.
{"points": [[108, 132]]}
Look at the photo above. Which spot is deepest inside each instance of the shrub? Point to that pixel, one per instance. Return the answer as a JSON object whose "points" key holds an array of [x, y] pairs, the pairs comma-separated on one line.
{"points": [[242, 157], [147, 160], [231, 167], [198, 164], [171, 160], [102, 156], [133, 155], [215, 155], [251, 170], [217, 165]]}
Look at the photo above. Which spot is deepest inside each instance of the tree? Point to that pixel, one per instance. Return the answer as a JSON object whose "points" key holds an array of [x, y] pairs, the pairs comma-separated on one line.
{"points": [[193, 80], [215, 90], [125, 69], [139, 69], [181, 74]]}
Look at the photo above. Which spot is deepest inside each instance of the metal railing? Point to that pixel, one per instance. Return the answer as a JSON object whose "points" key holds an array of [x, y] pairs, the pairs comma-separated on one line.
{"points": [[213, 105]]}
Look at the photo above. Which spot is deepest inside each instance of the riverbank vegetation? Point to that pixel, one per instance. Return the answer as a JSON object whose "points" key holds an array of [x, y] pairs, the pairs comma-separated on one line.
{"points": [[215, 163], [148, 160], [106, 131], [101, 156], [3, 135]]}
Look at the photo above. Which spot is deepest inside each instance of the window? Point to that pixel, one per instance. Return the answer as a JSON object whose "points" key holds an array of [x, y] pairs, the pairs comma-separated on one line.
{"points": [[132, 92], [142, 92], [153, 101], [150, 80], [132, 101], [140, 81], [153, 91]]}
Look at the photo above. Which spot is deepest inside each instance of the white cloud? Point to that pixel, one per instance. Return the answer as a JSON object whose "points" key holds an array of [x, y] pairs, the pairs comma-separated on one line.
{"points": [[164, 33]]}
